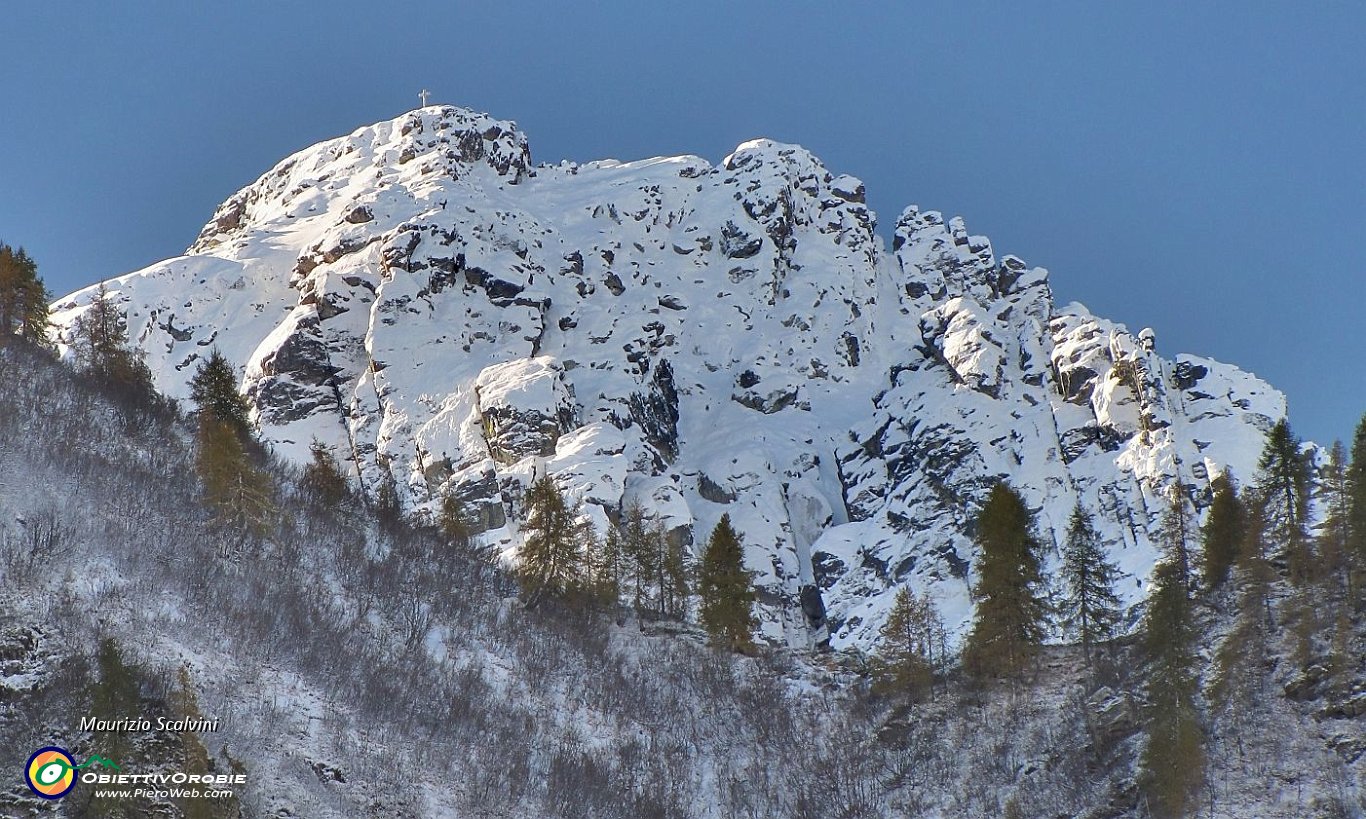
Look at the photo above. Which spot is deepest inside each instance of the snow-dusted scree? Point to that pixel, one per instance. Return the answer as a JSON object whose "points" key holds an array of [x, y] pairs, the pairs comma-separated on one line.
{"points": [[704, 339]]}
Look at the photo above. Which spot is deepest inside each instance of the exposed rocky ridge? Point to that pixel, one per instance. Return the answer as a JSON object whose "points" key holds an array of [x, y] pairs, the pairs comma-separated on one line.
{"points": [[706, 339]]}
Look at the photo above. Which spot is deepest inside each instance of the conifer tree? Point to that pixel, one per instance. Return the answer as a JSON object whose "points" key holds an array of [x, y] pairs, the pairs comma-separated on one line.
{"points": [[100, 342], [652, 562], [100, 331], [444, 554], [323, 479], [1225, 531], [23, 297], [35, 326], [1237, 683], [1090, 606], [1253, 561], [656, 573], [453, 520], [676, 579], [1175, 531], [1335, 496], [240, 493], [588, 548], [214, 391], [1011, 614], [1172, 763], [914, 631], [643, 549], [115, 695], [551, 562], [609, 568], [1240, 659], [388, 502], [726, 589], [184, 705], [1283, 486], [1356, 501]]}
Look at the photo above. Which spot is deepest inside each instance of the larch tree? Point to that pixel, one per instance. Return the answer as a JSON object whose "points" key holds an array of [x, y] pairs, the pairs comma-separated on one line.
{"points": [[1175, 528], [914, 631], [1090, 608], [653, 570], [1356, 498], [99, 331], [23, 297], [726, 589], [241, 493], [588, 547], [100, 343], [1224, 533], [676, 579], [1242, 656], [1254, 562], [323, 480], [1283, 486], [608, 568], [184, 705], [1012, 613], [642, 547], [1335, 498], [1172, 762], [454, 526], [551, 561]]}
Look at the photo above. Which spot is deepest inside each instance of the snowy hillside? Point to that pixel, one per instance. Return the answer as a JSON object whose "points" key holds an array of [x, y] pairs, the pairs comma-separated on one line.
{"points": [[359, 669], [702, 338]]}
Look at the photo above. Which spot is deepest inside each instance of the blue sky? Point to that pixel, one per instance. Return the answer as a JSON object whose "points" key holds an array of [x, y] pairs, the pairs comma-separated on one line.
{"points": [[1196, 168]]}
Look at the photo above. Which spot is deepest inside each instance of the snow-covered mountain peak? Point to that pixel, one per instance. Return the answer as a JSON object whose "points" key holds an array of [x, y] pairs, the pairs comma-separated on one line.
{"points": [[420, 147], [705, 339]]}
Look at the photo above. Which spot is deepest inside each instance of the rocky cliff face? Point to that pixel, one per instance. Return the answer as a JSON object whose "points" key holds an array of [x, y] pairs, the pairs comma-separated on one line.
{"points": [[704, 339]]}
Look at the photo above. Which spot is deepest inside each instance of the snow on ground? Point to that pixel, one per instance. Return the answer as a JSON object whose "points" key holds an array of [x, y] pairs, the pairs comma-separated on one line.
{"points": [[729, 338]]}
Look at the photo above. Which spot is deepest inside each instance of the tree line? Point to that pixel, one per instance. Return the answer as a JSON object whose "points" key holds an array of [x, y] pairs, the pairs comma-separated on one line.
{"points": [[1252, 536], [637, 563]]}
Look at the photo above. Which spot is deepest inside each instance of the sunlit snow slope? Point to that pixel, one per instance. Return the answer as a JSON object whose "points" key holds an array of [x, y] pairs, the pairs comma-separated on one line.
{"points": [[705, 339]]}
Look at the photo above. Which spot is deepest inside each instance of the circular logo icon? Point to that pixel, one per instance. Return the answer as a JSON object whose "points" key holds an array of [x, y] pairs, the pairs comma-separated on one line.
{"points": [[50, 772]]}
